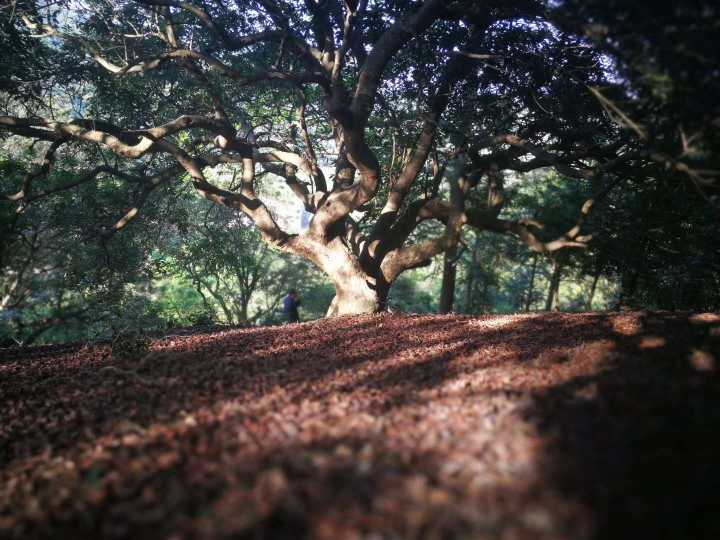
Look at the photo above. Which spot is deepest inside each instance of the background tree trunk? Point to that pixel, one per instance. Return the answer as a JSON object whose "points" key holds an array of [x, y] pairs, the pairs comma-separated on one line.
{"points": [[588, 305], [447, 291], [472, 277], [553, 299], [628, 286], [529, 297]]}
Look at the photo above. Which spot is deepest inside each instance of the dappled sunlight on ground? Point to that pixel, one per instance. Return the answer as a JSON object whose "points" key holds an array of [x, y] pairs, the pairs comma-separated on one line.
{"points": [[529, 426]]}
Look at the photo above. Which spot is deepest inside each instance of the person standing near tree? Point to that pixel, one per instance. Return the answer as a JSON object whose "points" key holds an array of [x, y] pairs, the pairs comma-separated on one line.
{"points": [[290, 307]]}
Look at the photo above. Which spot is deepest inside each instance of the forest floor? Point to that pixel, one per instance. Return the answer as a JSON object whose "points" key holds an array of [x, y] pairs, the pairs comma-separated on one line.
{"points": [[535, 426]]}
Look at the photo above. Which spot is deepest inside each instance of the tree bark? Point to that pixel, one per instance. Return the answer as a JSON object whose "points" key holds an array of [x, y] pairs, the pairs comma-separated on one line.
{"points": [[354, 297], [359, 287], [447, 292], [588, 305], [628, 287], [484, 304], [471, 277], [529, 298], [553, 299]]}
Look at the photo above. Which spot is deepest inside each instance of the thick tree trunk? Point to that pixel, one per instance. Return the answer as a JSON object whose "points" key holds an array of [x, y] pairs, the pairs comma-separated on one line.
{"points": [[354, 297], [357, 290], [447, 292], [355, 293]]}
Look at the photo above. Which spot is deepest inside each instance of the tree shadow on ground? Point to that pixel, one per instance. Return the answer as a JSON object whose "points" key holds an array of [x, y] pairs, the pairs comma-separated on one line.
{"points": [[639, 442]]}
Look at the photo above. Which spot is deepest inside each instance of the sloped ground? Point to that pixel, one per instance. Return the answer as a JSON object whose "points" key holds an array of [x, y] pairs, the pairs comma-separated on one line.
{"points": [[387, 426]]}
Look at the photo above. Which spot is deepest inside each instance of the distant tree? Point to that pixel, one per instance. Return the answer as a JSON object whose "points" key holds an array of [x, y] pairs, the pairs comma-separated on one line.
{"points": [[660, 244], [226, 262], [63, 269]]}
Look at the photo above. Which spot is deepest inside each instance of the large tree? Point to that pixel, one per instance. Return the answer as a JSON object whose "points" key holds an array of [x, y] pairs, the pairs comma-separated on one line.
{"points": [[381, 117]]}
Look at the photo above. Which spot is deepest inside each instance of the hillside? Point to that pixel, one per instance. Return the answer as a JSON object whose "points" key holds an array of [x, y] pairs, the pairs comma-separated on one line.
{"points": [[386, 426]]}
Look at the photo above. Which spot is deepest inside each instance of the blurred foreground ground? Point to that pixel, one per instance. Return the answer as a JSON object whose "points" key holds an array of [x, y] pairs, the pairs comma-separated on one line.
{"points": [[389, 426]]}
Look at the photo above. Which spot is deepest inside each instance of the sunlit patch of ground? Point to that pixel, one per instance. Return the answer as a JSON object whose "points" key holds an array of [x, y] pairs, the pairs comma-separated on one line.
{"points": [[384, 426]]}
